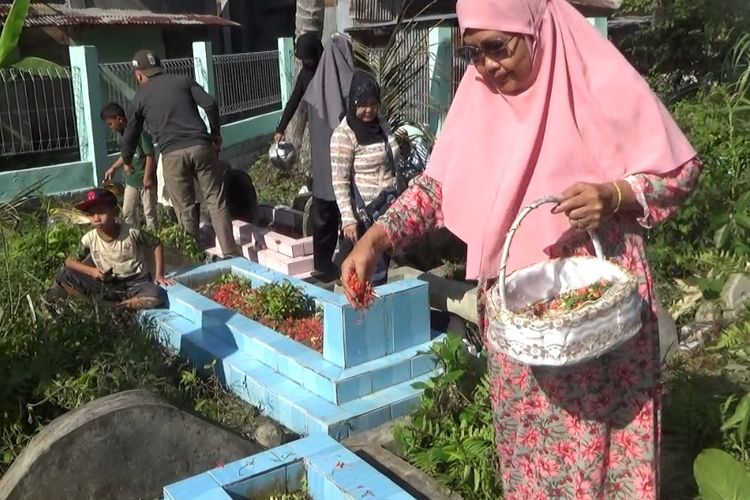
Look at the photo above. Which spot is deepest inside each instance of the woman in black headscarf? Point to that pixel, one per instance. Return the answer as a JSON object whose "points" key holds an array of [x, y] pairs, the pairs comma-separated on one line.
{"points": [[363, 156], [309, 50]]}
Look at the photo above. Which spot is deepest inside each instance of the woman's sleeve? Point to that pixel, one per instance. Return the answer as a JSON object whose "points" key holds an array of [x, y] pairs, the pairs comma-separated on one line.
{"points": [[661, 195], [342, 159], [292, 104], [417, 211]]}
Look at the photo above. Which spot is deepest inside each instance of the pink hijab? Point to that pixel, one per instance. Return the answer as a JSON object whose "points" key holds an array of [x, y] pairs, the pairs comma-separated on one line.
{"points": [[588, 116]]}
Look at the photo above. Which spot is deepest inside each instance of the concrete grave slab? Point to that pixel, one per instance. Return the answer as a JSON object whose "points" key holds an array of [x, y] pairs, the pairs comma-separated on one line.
{"points": [[362, 379], [331, 471]]}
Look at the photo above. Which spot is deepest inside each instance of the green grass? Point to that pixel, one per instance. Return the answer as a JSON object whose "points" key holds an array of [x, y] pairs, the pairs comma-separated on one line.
{"points": [[273, 185], [57, 357]]}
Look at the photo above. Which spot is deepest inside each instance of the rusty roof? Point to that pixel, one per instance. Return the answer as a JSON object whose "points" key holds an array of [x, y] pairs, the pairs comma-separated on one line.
{"points": [[43, 15]]}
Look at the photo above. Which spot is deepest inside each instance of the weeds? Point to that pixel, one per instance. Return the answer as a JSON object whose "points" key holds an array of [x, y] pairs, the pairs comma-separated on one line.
{"points": [[56, 357], [451, 436]]}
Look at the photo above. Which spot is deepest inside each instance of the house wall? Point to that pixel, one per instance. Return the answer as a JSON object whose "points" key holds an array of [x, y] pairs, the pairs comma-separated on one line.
{"points": [[47, 43], [120, 43], [263, 22]]}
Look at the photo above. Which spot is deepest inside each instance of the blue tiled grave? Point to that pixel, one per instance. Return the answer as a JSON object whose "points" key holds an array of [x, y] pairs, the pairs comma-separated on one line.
{"points": [[363, 378], [332, 473]]}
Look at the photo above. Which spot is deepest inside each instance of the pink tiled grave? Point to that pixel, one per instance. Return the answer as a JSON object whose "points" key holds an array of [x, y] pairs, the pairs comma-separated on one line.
{"points": [[280, 252]]}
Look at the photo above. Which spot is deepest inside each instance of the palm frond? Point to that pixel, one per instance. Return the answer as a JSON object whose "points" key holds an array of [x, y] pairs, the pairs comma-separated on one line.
{"points": [[69, 216], [741, 64], [398, 66], [9, 210]]}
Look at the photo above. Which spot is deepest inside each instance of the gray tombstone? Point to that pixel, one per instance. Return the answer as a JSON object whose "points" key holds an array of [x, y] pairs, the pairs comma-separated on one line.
{"points": [[125, 446]]}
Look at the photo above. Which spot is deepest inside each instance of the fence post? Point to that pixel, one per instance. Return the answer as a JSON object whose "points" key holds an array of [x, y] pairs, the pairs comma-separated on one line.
{"points": [[440, 40], [601, 24], [286, 68], [87, 92], [203, 59], [203, 63]]}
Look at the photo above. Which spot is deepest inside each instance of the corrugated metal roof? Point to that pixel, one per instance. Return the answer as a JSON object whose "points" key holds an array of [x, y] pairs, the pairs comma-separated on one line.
{"points": [[46, 15]]}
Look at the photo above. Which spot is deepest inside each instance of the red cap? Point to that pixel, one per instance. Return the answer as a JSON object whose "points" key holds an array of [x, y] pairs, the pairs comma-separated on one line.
{"points": [[97, 196]]}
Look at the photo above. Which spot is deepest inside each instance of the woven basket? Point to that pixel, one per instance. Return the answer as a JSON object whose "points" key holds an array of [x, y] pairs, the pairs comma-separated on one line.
{"points": [[564, 337]]}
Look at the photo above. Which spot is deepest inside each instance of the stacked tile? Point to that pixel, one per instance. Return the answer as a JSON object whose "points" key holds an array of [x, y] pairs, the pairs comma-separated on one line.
{"points": [[290, 256]]}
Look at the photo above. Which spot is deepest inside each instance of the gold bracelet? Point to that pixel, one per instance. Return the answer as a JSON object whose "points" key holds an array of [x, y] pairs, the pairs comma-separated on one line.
{"points": [[619, 198]]}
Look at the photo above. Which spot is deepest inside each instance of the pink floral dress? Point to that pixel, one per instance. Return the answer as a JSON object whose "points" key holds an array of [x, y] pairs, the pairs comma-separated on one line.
{"points": [[590, 431]]}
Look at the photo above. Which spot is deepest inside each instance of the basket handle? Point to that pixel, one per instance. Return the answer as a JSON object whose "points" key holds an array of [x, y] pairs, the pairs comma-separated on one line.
{"points": [[512, 231]]}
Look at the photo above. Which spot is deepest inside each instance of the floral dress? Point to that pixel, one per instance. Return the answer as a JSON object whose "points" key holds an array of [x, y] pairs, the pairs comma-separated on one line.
{"points": [[589, 431]]}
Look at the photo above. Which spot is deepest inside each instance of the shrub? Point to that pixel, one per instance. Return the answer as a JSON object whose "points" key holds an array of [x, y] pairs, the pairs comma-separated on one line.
{"points": [[451, 436]]}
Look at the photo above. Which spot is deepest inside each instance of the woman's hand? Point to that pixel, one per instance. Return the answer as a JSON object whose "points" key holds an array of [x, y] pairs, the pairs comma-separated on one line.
{"points": [[350, 233], [363, 259], [587, 205]]}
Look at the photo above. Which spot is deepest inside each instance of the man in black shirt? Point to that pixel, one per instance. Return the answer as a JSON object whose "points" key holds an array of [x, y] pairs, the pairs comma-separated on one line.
{"points": [[169, 105]]}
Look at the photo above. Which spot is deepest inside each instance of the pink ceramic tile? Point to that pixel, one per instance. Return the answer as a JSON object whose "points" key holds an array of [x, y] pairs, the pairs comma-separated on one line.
{"points": [[285, 245], [249, 252], [299, 265], [215, 251], [283, 216], [308, 243], [243, 232], [272, 260]]}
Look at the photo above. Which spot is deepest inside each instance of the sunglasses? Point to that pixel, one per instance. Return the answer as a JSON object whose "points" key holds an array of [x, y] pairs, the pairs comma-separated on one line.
{"points": [[497, 50]]}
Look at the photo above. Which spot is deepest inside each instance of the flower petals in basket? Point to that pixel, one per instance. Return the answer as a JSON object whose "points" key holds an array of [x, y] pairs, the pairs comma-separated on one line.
{"points": [[561, 337]]}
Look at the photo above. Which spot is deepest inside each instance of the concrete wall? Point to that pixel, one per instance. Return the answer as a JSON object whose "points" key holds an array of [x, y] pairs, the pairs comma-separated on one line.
{"points": [[119, 44]]}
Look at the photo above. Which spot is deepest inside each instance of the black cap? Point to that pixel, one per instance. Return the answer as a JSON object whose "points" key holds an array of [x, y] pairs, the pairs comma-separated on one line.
{"points": [[147, 62], [97, 196]]}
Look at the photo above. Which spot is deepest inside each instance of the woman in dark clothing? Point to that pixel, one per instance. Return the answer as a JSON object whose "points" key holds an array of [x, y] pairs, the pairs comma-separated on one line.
{"points": [[309, 50]]}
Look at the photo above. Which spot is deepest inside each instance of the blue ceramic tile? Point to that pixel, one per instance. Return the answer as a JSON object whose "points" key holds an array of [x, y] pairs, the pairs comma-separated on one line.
{"points": [[192, 486], [364, 336], [315, 426], [352, 475], [411, 318], [295, 471], [405, 406], [271, 482], [289, 368], [319, 385], [316, 484], [333, 491], [390, 344], [289, 414], [184, 308], [353, 387], [254, 465], [338, 430], [376, 364], [391, 375], [423, 363], [318, 364], [369, 420], [312, 445], [333, 334]]}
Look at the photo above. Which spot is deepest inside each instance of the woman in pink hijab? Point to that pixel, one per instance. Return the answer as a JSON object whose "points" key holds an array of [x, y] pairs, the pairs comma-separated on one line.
{"points": [[549, 106]]}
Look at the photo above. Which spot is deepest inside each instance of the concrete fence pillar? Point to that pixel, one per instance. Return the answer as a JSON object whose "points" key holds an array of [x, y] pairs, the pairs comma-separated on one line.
{"points": [[87, 92], [441, 64], [600, 23], [286, 68], [205, 76]]}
